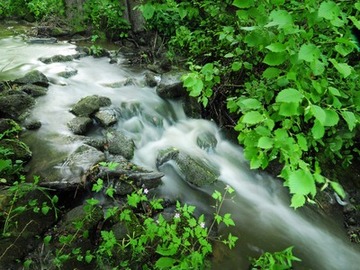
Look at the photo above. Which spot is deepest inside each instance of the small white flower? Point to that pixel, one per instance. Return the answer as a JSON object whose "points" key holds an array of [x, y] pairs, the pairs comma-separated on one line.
{"points": [[202, 225], [177, 215], [146, 191]]}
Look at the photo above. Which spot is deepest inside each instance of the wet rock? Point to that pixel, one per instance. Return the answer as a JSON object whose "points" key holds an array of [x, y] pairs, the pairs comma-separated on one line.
{"points": [[69, 72], [119, 84], [80, 125], [106, 117], [33, 90], [119, 144], [128, 110], [32, 124], [150, 79], [15, 105], [20, 151], [59, 58], [206, 141], [192, 107], [193, 170], [171, 86], [34, 77], [42, 40], [90, 105], [9, 124]]}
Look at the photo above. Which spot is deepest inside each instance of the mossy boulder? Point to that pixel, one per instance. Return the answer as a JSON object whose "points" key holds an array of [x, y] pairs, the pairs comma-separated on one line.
{"points": [[119, 144], [15, 105], [89, 105], [20, 151], [34, 77]]}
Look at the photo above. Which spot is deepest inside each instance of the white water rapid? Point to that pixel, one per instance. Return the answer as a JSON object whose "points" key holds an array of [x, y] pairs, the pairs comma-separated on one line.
{"points": [[260, 207]]}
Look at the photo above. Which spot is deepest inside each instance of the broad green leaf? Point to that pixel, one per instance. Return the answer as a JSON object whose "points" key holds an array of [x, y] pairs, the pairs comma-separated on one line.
{"points": [[236, 66], [196, 89], [317, 67], [350, 119], [289, 95], [331, 119], [338, 189], [274, 59], [328, 10], [319, 113], [334, 91], [252, 118], [280, 18], [148, 11], [243, 3], [265, 143], [302, 142], [165, 263], [309, 52], [297, 200], [343, 68], [289, 109], [318, 130], [301, 182], [271, 73], [276, 47], [249, 104]]}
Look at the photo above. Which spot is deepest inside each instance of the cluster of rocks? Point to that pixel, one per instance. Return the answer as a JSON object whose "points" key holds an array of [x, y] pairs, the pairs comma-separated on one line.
{"points": [[88, 162]]}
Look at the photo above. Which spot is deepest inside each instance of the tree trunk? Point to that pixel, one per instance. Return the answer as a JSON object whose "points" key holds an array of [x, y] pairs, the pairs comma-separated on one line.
{"points": [[134, 17]]}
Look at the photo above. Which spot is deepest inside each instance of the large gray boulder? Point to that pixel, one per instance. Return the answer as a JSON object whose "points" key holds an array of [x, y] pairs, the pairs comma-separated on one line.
{"points": [[80, 125], [34, 77], [106, 117], [33, 90], [193, 170], [171, 86], [15, 105], [59, 58], [89, 105], [119, 144]]}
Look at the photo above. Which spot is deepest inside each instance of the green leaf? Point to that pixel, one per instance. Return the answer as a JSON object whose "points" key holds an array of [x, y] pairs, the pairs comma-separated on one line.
{"points": [[236, 66], [276, 47], [343, 68], [318, 113], [148, 11], [252, 118], [297, 200], [165, 262], [289, 109], [338, 189], [249, 104], [331, 119], [274, 59], [301, 182], [309, 52], [228, 220], [302, 142], [271, 73], [243, 3], [265, 143], [318, 130], [280, 18], [350, 119], [317, 67], [328, 10], [289, 95]]}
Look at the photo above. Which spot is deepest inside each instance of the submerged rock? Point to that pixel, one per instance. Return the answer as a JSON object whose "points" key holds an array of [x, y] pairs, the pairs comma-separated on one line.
{"points": [[59, 58], [206, 141], [150, 79], [67, 73], [34, 77], [42, 40], [90, 105], [193, 170]]}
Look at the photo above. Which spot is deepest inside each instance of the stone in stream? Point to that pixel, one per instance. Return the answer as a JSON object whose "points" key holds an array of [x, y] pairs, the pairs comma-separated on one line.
{"points": [[80, 125], [68, 72], [33, 77], [51, 40], [150, 79], [15, 105], [33, 90], [106, 117], [171, 86], [206, 141], [119, 144], [89, 105], [59, 58], [193, 170]]}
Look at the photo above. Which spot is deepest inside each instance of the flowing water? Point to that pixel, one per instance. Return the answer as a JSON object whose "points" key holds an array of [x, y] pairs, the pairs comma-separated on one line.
{"points": [[260, 208]]}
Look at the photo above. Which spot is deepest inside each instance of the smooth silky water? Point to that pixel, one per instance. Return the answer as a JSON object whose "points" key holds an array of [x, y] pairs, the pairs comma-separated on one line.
{"points": [[260, 207]]}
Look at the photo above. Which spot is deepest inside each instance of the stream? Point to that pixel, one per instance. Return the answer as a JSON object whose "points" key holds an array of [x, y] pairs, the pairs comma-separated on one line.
{"points": [[260, 208]]}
